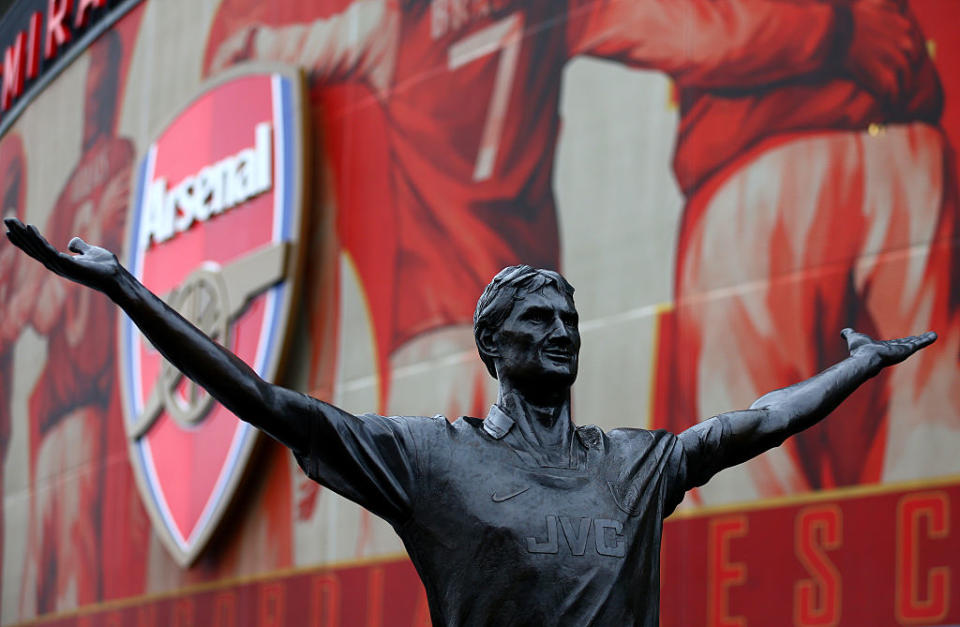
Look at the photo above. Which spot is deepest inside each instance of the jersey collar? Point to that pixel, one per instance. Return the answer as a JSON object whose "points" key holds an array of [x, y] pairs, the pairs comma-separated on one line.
{"points": [[497, 423]]}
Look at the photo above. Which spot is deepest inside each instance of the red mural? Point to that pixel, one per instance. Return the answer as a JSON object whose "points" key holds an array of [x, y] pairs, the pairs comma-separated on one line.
{"points": [[814, 204], [12, 314], [820, 192], [77, 509], [459, 174]]}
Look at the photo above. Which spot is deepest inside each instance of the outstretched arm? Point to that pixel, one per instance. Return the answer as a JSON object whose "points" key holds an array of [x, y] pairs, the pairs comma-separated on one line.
{"points": [[368, 459], [735, 437], [282, 413]]}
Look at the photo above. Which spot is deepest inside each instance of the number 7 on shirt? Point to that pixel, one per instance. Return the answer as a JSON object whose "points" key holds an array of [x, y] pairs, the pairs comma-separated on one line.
{"points": [[504, 35]]}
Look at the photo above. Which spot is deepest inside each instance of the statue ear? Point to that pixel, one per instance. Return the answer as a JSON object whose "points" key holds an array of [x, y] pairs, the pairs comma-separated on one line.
{"points": [[487, 342]]}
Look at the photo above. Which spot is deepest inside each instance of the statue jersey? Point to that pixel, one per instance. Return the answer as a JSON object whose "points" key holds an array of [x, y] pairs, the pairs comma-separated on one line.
{"points": [[500, 536]]}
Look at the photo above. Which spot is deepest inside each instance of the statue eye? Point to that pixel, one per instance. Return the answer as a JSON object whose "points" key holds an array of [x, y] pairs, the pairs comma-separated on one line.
{"points": [[537, 315]]}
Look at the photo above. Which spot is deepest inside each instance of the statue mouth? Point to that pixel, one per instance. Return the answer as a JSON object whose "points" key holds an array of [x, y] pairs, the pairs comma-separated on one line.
{"points": [[559, 353]]}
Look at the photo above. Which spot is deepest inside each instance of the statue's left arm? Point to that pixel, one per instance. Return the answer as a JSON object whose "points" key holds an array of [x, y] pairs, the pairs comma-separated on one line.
{"points": [[734, 437], [284, 414]]}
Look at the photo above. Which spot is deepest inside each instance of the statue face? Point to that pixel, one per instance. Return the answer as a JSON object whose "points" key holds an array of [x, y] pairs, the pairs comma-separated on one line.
{"points": [[539, 342]]}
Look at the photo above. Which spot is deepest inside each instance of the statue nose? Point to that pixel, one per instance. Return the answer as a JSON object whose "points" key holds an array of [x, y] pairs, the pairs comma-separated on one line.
{"points": [[560, 330]]}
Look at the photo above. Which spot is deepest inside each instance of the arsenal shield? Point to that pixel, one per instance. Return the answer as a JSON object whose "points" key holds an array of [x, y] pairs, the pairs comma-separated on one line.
{"points": [[215, 230]]}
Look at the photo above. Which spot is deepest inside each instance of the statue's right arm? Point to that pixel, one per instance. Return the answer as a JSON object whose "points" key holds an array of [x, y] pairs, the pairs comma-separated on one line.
{"points": [[734, 437], [284, 414]]}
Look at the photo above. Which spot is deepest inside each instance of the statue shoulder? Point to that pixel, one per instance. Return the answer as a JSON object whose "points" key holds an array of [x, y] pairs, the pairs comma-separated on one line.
{"points": [[633, 437]]}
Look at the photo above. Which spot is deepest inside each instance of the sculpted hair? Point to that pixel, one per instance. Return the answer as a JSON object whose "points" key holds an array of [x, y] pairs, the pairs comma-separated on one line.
{"points": [[510, 285]]}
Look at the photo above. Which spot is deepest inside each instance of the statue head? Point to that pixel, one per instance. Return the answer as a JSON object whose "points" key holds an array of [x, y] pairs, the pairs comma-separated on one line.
{"points": [[525, 326]]}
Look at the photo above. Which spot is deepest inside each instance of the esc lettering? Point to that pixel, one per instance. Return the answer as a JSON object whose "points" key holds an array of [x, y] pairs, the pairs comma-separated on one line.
{"points": [[912, 531], [607, 536]]}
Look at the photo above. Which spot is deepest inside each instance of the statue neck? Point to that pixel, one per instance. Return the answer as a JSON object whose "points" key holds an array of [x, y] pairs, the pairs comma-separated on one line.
{"points": [[543, 420]]}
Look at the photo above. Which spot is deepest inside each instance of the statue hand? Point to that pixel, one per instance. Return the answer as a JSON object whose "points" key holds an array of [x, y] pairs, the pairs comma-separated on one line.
{"points": [[92, 266], [888, 352]]}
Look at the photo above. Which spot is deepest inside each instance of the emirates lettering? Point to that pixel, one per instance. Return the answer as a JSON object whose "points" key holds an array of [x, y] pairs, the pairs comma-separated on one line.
{"points": [[211, 191], [608, 538], [51, 31]]}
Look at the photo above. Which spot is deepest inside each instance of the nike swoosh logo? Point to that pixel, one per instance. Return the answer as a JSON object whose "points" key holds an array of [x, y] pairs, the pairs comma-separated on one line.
{"points": [[501, 499]]}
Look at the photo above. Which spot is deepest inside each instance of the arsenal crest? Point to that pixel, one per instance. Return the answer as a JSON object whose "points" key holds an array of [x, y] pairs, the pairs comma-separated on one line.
{"points": [[215, 229]]}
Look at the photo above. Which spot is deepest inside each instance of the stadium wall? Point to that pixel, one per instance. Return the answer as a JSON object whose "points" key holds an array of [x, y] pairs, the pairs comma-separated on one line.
{"points": [[723, 190]]}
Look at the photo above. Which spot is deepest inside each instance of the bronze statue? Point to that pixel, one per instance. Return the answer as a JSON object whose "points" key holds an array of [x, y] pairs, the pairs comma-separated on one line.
{"points": [[521, 518]]}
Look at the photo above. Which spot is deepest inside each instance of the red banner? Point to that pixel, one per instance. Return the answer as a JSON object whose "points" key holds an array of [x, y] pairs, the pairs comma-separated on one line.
{"points": [[870, 559], [795, 564], [373, 595]]}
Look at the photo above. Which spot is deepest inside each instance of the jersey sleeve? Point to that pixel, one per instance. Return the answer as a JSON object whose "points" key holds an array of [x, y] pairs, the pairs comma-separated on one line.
{"points": [[673, 471], [649, 471], [371, 460], [712, 43], [712, 445]]}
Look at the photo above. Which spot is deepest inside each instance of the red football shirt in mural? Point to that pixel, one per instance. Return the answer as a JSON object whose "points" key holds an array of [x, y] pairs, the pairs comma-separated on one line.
{"points": [[463, 102], [794, 218], [467, 104]]}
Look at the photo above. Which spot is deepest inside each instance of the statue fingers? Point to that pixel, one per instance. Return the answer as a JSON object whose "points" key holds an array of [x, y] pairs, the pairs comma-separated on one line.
{"points": [[855, 339], [12, 224], [16, 238], [42, 250], [13, 234], [920, 341], [30, 241], [15, 231], [915, 340], [22, 238], [39, 242], [78, 246], [902, 348]]}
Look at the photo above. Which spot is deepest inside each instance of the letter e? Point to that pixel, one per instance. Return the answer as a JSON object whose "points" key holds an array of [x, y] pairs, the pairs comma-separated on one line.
{"points": [[721, 572]]}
